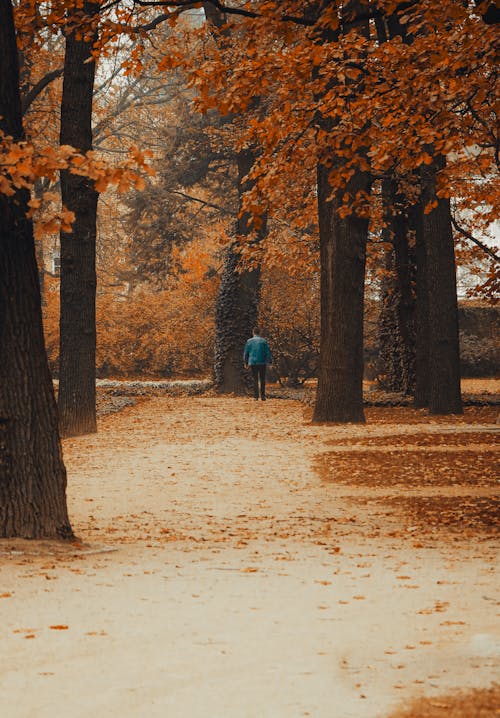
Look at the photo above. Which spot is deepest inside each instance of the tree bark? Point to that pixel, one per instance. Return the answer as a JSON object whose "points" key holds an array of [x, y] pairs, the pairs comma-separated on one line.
{"points": [[405, 264], [444, 353], [389, 376], [236, 315], [421, 395], [77, 352], [339, 396], [397, 315], [32, 472], [237, 302]]}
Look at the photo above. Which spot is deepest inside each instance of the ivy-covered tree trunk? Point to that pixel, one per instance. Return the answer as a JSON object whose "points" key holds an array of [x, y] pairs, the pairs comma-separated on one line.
{"points": [[397, 315], [444, 352], [238, 300], [32, 472], [390, 357], [77, 352]]}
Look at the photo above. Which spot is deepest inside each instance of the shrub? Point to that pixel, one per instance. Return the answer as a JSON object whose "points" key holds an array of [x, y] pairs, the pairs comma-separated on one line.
{"points": [[290, 315], [155, 333]]}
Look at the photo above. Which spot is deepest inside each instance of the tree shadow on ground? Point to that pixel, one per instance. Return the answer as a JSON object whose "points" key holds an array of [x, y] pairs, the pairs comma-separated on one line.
{"points": [[478, 703]]}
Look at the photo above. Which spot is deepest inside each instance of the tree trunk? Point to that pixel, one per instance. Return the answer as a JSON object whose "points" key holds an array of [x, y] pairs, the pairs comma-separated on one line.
{"points": [[237, 305], [405, 264], [421, 395], [77, 352], [237, 302], [339, 397], [397, 315], [389, 375], [444, 353], [32, 472]]}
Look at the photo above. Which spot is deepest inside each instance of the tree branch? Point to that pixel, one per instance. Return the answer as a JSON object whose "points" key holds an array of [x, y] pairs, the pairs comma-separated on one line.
{"points": [[39, 88], [221, 7], [201, 201], [477, 242], [154, 23]]}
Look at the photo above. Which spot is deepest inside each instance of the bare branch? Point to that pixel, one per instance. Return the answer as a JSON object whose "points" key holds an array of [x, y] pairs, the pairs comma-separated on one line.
{"points": [[201, 201], [221, 7], [473, 239], [39, 88]]}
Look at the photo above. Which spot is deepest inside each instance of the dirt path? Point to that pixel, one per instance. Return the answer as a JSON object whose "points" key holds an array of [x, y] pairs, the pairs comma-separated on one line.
{"points": [[238, 562]]}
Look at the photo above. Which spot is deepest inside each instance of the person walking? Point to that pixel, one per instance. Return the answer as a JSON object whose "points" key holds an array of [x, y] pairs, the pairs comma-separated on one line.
{"points": [[257, 356]]}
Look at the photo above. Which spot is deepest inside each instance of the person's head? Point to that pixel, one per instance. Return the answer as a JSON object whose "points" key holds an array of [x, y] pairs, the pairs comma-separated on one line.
{"points": [[255, 331]]}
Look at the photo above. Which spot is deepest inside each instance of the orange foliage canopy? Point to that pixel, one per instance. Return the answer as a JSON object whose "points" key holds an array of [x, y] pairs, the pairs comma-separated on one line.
{"points": [[38, 156], [326, 93], [387, 104]]}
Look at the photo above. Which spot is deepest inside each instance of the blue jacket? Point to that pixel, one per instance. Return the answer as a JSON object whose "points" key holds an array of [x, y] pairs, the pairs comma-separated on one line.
{"points": [[257, 352]]}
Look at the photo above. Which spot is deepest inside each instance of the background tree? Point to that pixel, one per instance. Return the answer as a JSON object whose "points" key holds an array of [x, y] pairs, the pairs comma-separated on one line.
{"points": [[193, 193], [77, 397], [289, 314], [239, 295]]}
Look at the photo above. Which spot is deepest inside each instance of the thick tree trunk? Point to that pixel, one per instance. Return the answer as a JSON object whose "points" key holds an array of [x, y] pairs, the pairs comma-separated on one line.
{"points": [[77, 393], [236, 315], [421, 395], [237, 302], [32, 473], [444, 353], [339, 397]]}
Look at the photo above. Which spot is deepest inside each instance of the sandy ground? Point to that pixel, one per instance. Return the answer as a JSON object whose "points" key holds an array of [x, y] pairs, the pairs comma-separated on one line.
{"points": [[232, 565]]}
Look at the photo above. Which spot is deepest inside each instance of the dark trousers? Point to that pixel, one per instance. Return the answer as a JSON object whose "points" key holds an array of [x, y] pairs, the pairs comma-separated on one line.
{"points": [[259, 371]]}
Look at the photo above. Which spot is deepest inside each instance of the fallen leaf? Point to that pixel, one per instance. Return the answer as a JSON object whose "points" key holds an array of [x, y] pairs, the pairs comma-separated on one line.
{"points": [[436, 704], [452, 623]]}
